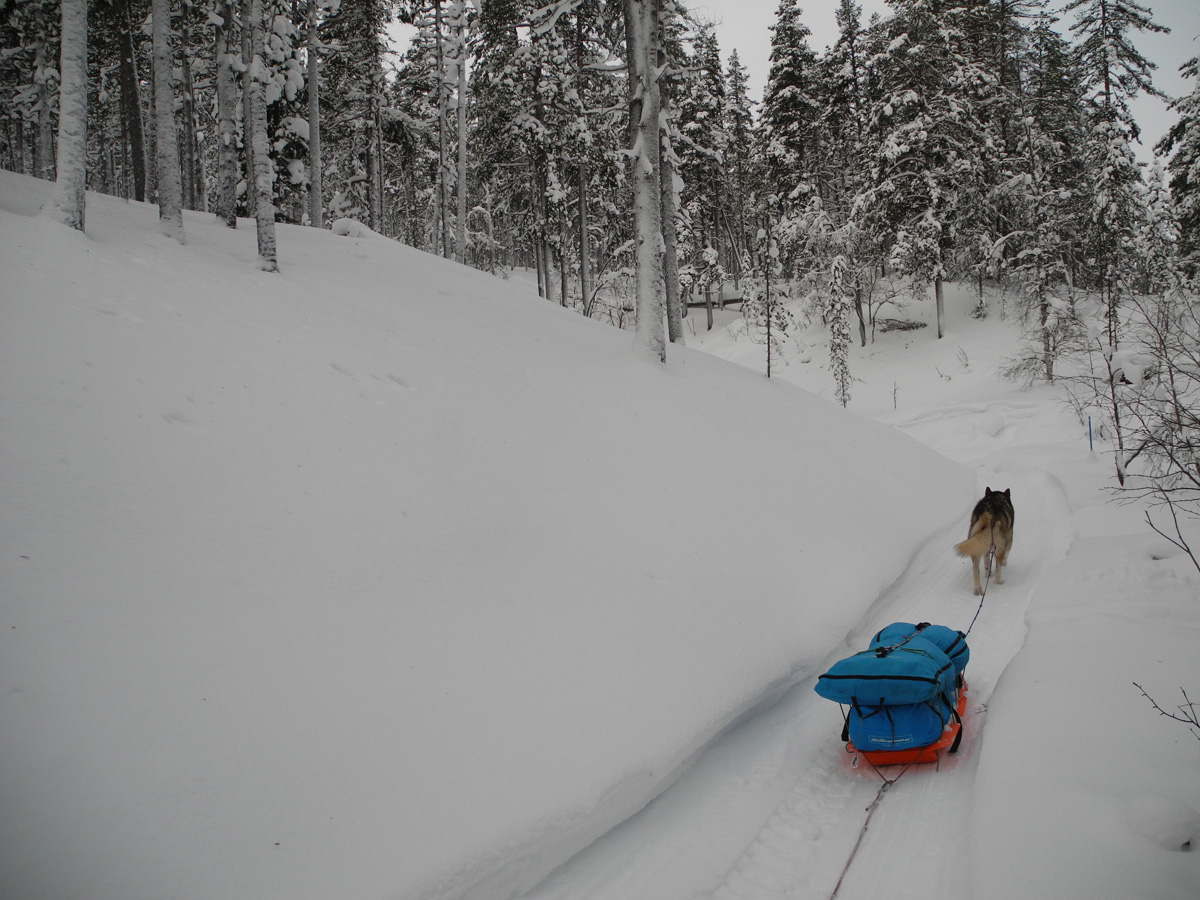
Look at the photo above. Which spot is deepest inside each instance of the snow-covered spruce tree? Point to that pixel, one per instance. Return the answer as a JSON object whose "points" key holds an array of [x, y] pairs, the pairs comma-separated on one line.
{"points": [[643, 35], [842, 93], [66, 203], [926, 173], [1038, 199], [843, 103], [788, 134], [170, 193], [832, 281], [701, 147], [1114, 73], [840, 303], [768, 321], [741, 163], [1182, 145]]}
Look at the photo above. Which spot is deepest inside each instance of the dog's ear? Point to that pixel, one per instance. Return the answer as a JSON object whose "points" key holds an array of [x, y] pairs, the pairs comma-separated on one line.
{"points": [[1008, 492], [987, 492]]}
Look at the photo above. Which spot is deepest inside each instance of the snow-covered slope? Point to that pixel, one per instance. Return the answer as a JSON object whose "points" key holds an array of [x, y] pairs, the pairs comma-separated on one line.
{"points": [[380, 577]]}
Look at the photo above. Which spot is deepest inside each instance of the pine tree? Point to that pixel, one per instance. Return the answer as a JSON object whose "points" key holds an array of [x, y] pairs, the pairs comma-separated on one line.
{"points": [[1038, 198], [790, 108], [1182, 144], [842, 89], [703, 144], [764, 308], [1114, 72], [741, 163], [926, 174]]}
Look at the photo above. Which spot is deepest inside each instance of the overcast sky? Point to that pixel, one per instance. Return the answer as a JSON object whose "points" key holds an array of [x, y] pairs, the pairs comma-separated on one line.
{"points": [[744, 25]]}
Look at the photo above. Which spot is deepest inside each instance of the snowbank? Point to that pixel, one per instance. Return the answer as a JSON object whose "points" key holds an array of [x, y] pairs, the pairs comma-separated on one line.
{"points": [[379, 577]]}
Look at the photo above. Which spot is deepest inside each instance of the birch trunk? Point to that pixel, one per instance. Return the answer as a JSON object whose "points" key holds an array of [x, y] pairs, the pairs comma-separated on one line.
{"points": [[170, 197], [66, 204]]}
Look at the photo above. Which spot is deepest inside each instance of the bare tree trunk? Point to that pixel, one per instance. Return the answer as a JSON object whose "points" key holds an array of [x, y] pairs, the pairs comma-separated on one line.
{"points": [[316, 204], [170, 199], [22, 163], [940, 298], [668, 200], [642, 19], [586, 288], [44, 155], [460, 185], [264, 206], [66, 204], [247, 110], [227, 157], [188, 151], [443, 125]]}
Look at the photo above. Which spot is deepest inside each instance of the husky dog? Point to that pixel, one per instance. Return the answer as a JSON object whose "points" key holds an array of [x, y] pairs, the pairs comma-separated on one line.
{"points": [[991, 528]]}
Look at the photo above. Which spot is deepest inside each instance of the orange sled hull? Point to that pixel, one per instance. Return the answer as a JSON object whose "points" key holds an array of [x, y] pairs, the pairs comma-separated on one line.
{"points": [[927, 754]]}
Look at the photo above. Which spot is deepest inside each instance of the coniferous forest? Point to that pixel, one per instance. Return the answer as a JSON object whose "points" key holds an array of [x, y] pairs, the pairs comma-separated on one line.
{"points": [[613, 149]]}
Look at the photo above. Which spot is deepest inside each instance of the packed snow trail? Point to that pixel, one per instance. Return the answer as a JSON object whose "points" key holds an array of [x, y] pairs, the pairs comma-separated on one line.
{"points": [[773, 808]]}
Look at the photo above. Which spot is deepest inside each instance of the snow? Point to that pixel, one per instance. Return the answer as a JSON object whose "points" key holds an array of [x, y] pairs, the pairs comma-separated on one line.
{"points": [[380, 577]]}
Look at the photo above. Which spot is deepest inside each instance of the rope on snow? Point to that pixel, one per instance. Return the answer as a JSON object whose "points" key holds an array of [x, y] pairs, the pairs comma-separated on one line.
{"points": [[883, 789]]}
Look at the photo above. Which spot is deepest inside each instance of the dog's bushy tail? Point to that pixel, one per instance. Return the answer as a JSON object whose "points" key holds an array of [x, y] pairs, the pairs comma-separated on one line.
{"points": [[979, 541]]}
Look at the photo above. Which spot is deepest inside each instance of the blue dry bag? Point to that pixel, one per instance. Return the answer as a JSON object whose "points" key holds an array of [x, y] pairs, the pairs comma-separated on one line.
{"points": [[914, 672]]}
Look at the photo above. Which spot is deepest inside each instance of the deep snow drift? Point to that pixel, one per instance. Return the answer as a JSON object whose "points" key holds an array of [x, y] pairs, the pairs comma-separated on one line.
{"points": [[380, 577]]}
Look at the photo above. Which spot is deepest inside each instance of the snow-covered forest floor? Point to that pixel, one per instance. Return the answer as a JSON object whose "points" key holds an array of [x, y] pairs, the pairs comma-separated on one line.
{"points": [[380, 577]]}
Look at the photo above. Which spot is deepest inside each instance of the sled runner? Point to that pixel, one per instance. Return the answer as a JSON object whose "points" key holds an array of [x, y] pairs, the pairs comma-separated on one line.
{"points": [[905, 694]]}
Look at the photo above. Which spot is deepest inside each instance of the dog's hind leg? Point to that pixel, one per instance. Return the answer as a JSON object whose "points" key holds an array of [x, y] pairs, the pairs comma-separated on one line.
{"points": [[975, 575]]}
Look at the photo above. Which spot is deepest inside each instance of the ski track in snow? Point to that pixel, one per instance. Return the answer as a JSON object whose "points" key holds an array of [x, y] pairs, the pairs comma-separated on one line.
{"points": [[774, 807]]}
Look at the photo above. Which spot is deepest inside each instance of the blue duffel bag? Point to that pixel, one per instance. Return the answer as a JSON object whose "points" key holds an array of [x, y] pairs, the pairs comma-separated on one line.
{"points": [[915, 671], [951, 642], [897, 727]]}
